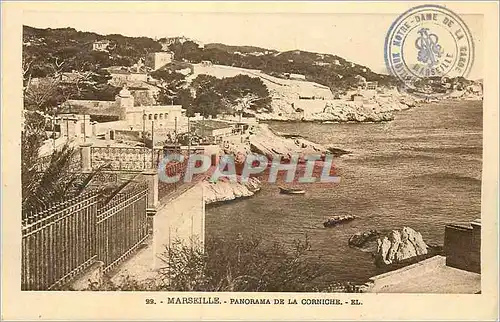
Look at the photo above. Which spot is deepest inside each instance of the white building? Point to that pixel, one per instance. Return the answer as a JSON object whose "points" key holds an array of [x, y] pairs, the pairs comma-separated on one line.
{"points": [[206, 63], [215, 130], [371, 85], [159, 59], [123, 76], [165, 43], [157, 116], [100, 45], [74, 125], [295, 76]]}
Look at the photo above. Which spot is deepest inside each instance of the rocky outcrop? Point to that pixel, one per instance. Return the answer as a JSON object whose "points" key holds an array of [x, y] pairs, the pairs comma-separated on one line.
{"points": [[409, 101], [398, 246], [372, 107], [225, 190], [360, 239], [266, 142]]}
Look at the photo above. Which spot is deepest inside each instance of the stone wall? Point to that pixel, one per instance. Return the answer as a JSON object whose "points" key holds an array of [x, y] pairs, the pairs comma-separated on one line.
{"points": [[128, 135], [462, 245], [179, 218]]}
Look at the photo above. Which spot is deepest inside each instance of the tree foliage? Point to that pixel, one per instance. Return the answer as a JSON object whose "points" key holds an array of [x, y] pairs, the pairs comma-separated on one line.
{"points": [[236, 264], [213, 96], [209, 95], [243, 92], [42, 46], [171, 84]]}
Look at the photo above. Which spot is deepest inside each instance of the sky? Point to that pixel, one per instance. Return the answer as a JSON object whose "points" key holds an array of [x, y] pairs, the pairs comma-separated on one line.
{"points": [[356, 37]]}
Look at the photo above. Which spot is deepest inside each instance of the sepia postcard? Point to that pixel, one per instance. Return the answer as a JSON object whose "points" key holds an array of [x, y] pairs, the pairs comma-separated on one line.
{"points": [[250, 160]]}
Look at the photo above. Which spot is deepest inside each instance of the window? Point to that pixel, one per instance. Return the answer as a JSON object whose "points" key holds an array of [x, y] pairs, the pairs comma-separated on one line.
{"points": [[161, 116], [150, 117], [156, 116]]}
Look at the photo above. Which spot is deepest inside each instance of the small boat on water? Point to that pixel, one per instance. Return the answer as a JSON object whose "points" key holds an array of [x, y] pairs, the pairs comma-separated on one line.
{"points": [[292, 191], [334, 221]]}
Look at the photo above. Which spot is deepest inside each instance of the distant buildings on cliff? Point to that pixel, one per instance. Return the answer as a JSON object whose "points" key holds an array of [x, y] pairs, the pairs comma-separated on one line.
{"points": [[101, 45], [167, 42]]}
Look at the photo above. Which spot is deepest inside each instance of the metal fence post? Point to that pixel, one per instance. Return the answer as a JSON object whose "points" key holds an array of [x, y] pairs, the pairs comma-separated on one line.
{"points": [[151, 177]]}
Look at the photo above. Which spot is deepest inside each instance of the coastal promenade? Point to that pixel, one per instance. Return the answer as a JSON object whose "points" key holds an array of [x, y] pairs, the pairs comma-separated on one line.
{"points": [[180, 217]]}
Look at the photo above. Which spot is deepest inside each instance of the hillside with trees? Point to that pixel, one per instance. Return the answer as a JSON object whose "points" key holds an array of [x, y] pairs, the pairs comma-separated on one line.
{"points": [[42, 47], [326, 69], [209, 95]]}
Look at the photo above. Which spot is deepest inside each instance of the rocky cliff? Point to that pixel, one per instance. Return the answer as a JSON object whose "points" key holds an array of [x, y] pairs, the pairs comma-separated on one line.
{"points": [[300, 100], [266, 142], [369, 106], [224, 190], [397, 246]]}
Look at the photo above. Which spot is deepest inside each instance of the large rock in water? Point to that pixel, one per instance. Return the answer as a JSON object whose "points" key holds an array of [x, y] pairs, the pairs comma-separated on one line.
{"points": [[397, 246]]}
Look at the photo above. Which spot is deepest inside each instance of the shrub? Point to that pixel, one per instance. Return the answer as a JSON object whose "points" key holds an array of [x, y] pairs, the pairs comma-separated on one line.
{"points": [[236, 265]]}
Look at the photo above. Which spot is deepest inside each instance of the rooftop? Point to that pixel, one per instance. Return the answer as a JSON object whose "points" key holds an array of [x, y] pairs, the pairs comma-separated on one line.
{"points": [[428, 276], [213, 124], [152, 108], [125, 70], [466, 225]]}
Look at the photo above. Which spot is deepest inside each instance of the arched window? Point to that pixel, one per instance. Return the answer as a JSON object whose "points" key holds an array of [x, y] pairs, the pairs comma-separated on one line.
{"points": [[156, 116], [161, 116], [150, 116]]}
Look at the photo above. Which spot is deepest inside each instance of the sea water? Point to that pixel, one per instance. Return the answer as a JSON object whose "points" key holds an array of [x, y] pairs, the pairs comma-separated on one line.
{"points": [[421, 170]]}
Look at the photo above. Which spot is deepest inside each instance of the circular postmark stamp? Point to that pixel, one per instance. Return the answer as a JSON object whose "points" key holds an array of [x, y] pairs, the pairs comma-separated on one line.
{"points": [[427, 47]]}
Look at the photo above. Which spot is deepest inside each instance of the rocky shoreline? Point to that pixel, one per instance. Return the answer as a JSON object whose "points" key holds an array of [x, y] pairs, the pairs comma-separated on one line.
{"points": [[224, 190], [264, 141], [371, 107]]}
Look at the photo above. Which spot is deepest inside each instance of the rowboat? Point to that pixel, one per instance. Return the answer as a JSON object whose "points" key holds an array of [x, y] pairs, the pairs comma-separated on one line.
{"points": [[292, 191], [334, 221]]}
